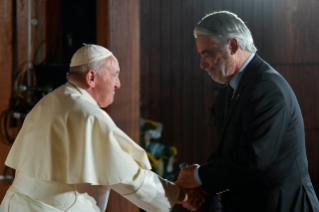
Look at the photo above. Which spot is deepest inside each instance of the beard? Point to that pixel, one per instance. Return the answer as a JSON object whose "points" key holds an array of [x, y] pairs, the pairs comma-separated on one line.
{"points": [[225, 65], [223, 68]]}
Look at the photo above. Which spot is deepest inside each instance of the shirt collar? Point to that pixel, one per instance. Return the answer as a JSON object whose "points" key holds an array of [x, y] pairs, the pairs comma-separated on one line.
{"points": [[237, 76], [84, 93]]}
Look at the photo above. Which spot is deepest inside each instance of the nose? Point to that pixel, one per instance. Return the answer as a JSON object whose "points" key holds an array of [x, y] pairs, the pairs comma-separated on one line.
{"points": [[203, 64], [118, 83]]}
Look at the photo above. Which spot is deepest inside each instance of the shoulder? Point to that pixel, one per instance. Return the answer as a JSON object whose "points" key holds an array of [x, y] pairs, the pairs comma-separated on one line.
{"points": [[264, 83], [85, 110], [66, 104], [265, 74]]}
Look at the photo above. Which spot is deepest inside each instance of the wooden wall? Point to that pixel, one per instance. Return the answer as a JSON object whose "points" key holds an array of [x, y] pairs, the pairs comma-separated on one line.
{"points": [[119, 31], [5, 78], [177, 93], [174, 90], [14, 55], [123, 40], [291, 47]]}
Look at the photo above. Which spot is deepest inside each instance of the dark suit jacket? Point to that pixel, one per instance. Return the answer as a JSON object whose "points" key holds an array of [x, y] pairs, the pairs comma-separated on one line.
{"points": [[261, 156]]}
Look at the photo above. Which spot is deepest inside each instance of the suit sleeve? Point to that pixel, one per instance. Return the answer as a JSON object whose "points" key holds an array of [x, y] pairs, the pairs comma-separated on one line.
{"points": [[149, 191], [265, 119]]}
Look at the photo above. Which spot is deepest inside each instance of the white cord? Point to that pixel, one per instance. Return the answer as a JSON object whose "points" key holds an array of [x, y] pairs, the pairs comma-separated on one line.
{"points": [[76, 198]]}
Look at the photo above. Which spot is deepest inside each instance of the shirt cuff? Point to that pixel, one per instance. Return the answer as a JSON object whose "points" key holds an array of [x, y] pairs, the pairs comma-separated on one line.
{"points": [[196, 176]]}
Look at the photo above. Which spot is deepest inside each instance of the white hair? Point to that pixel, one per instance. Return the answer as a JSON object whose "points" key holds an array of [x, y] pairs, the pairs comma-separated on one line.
{"points": [[224, 25], [81, 70]]}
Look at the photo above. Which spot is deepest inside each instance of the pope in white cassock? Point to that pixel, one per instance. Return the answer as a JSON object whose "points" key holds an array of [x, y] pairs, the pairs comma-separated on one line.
{"points": [[69, 153]]}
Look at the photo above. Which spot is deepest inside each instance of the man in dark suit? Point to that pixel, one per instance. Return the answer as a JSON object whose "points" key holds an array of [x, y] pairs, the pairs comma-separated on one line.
{"points": [[260, 163]]}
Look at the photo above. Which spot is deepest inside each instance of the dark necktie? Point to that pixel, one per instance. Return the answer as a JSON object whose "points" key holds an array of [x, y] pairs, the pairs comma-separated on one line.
{"points": [[229, 94]]}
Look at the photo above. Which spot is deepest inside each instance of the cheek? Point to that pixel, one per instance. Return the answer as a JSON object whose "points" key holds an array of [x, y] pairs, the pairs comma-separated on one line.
{"points": [[213, 61], [220, 59]]}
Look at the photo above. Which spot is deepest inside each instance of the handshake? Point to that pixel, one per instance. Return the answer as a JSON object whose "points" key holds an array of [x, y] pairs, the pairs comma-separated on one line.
{"points": [[192, 195]]}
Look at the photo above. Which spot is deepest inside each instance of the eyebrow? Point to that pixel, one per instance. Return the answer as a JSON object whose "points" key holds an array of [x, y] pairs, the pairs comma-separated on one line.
{"points": [[204, 51]]}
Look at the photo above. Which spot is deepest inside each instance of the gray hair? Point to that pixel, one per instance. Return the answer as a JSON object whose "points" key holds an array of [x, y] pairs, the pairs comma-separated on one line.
{"points": [[224, 25], [80, 71]]}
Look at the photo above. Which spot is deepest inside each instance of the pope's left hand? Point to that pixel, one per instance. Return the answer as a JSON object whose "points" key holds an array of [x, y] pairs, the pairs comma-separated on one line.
{"points": [[186, 177]]}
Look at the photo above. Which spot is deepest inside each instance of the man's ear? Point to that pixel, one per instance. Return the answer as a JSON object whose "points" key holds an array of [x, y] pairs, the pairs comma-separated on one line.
{"points": [[90, 78], [233, 45]]}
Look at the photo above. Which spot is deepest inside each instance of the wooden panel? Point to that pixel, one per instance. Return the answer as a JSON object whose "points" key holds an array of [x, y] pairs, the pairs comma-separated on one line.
{"points": [[247, 12], [7, 44], [188, 89], [257, 25], [42, 13], [22, 33], [53, 31], [303, 80], [186, 78], [228, 5], [217, 5], [155, 56], [238, 8], [208, 7], [165, 73], [5, 79], [176, 92], [278, 40], [298, 23], [102, 13], [102, 27], [145, 21], [197, 94], [125, 43], [207, 140]]}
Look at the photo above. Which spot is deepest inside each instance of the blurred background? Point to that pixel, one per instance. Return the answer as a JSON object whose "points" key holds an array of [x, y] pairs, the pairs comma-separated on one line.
{"points": [[160, 75]]}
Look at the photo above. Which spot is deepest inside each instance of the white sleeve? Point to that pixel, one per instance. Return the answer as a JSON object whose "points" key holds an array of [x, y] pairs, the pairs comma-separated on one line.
{"points": [[149, 191]]}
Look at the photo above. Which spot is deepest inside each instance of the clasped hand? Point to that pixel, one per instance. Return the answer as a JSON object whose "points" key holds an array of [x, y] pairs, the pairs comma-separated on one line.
{"points": [[195, 195]]}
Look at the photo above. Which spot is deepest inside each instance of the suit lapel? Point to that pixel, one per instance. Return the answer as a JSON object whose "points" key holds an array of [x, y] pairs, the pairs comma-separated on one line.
{"points": [[248, 72]]}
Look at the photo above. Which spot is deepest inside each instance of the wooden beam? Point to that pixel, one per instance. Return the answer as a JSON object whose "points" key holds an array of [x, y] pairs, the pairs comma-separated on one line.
{"points": [[118, 30], [5, 80]]}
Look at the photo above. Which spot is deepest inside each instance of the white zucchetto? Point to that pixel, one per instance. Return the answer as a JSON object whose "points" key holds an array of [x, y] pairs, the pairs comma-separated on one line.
{"points": [[89, 53]]}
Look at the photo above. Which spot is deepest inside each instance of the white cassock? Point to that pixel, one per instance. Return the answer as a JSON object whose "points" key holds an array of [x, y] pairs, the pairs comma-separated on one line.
{"points": [[69, 154]]}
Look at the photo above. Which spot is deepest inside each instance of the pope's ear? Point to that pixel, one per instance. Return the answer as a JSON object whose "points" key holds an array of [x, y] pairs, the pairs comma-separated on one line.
{"points": [[90, 78]]}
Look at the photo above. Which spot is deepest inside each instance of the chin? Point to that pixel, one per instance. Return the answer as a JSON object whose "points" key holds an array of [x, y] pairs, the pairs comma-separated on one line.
{"points": [[216, 79], [108, 104], [103, 105]]}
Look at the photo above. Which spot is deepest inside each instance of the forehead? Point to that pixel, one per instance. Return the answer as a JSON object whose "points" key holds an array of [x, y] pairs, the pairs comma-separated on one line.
{"points": [[204, 42], [115, 64], [112, 64]]}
